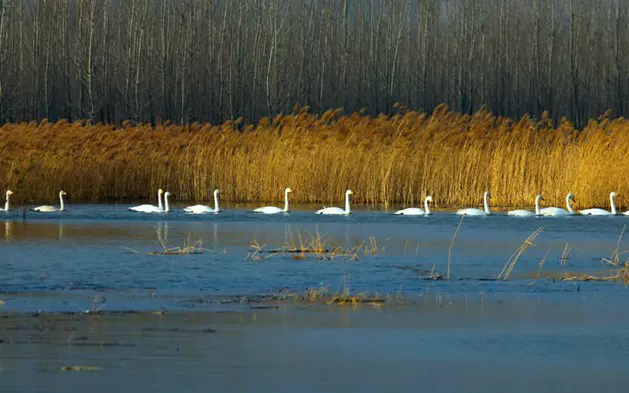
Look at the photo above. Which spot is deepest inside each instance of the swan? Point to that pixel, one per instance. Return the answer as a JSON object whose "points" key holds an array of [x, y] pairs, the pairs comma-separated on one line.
{"points": [[555, 211], [201, 209], [526, 213], [50, 209], [478, 212], [601, 212], [166, 205], [414, 211], [151, 208], [273, 209], [6, 204], [338, 210]]}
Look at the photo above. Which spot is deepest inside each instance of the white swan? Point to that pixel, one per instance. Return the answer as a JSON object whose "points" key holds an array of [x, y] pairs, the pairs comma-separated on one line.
{"points": [[166, 205], [50, 209], [6, 204], [478, 212], [526, 213], [202, 209], [273, 209], [414, 211], [601, 212], [151, 208], [555, 211], [337, 210]]}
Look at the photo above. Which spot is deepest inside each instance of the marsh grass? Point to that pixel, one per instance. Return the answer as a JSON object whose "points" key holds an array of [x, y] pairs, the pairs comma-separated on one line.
{"points": [[301, 245], [513, 259], [345, 297], [385, 159], [189, 247]]}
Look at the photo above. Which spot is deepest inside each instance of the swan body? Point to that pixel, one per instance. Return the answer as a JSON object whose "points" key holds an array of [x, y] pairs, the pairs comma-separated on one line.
{"points": [[337, 210], [478, 212], [414, 211], [50, 209], [526, 213], [602, 212], [202, 209], [151, 208], [273, 209], [555, 211], [6, 204]]}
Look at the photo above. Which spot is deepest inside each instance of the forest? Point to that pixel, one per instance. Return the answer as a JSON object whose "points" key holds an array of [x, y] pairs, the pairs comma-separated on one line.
{"points": [[212, 61]]}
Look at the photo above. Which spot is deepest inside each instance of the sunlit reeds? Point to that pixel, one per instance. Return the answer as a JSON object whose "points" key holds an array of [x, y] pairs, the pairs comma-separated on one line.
{"points": [[385, 159]]}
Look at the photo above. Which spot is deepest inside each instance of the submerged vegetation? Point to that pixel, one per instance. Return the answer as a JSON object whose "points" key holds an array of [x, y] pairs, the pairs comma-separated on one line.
{"points": [[385, 160]]}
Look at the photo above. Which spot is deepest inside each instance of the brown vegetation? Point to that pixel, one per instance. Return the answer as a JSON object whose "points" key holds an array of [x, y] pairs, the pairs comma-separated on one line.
{"points": [[385, 159]]}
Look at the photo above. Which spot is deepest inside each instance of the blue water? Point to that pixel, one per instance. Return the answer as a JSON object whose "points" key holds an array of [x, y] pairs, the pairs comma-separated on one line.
{"points": [[200, 327], [75, 255]]}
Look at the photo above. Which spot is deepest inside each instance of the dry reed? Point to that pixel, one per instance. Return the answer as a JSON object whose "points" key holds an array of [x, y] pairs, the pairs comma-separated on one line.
{"points": [[385, 159]]}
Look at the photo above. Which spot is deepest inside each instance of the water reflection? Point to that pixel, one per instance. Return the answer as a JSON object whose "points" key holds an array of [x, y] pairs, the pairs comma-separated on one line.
{"points": [[8, 230]]}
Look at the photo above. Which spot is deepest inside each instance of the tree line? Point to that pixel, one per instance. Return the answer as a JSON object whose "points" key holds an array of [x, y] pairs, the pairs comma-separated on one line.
{"points": [[217, 60]]}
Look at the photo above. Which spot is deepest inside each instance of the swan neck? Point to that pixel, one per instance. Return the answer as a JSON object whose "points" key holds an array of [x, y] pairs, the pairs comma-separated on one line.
{"points": [[569, 206], [166, 206], [347, 208], [285, 202], [426, 206], [215, 202], [6, 204], [486, 203], [61, 202], [611, 201], [537, 206], [159, 201]]}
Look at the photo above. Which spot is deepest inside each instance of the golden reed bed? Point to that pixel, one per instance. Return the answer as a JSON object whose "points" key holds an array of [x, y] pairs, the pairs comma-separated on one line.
{"points": [[386, 160]]}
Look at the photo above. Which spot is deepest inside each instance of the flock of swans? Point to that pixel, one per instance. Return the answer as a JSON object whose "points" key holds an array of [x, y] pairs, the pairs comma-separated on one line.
{"points": [[164, 207]]}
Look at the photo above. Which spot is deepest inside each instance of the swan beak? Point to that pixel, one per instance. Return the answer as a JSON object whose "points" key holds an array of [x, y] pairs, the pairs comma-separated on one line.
{"points": [[10, 192]]}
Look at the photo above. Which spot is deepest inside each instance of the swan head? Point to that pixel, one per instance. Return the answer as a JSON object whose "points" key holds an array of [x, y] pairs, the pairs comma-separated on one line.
{"points": [[487, 194], [349, 192], [539, 197], [216, 192], [287, 190], [571, 197], [612, 194], [62, 193], [429, 198], [166, 194], [9, 193], [160, 191]]}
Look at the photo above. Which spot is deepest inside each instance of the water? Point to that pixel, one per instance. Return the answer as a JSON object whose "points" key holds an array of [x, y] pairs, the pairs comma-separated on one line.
{"points": [[190, 321]]}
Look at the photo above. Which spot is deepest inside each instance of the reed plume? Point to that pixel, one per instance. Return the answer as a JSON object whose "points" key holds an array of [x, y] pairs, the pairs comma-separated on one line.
{"points": [[396, 159]]}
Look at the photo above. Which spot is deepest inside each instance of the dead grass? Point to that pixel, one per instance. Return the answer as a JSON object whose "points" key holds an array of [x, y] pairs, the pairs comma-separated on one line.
{"points": [[385, 159], [513, 260], [299, 246], [345, 297], [189, 247]]}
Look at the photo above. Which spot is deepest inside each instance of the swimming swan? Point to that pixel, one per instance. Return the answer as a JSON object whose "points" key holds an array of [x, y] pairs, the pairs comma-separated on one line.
{"points": [[151, 208], [555, 211], [338, 210], [273, 209], [50, 209], [526, 213], [6, 204], [478, 212], [414, 211], [601, 212], [201, 209]]}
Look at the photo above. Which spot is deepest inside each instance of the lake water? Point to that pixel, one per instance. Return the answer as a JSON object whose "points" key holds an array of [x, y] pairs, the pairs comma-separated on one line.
{"points": [[187, 322]]}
